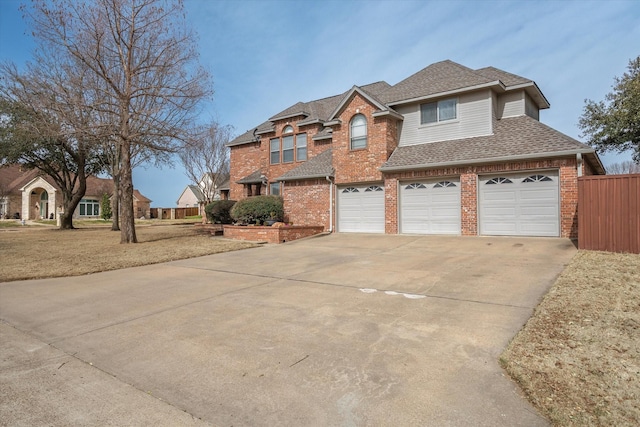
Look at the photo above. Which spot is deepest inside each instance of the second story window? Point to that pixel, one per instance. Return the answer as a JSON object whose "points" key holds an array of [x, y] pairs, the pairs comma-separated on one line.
{"points": [[301, 147], [274, 149], [435, 112], [287, 148], [358, 132]]}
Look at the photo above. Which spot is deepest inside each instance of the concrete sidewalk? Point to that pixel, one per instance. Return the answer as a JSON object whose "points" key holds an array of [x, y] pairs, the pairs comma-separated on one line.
{"points": [[338, 330]]}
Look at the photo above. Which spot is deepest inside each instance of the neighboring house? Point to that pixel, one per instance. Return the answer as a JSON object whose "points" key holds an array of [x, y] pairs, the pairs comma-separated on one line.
{"points": [[448, 150], [195, 195], [31, 195]]}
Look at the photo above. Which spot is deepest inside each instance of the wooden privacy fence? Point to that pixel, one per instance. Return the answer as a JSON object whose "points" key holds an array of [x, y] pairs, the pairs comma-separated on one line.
{"points": [[174, 213], [609, 213]]}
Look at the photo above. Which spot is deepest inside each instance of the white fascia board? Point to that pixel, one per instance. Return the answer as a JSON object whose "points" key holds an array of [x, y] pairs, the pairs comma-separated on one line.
{"points": [[498, 84], [533, 87], [348, 96], [486, 160], [388, 113]]}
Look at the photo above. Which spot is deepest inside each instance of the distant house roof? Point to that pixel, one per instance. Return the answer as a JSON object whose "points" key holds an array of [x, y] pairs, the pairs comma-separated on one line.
{"points": [[514, 138], [197, 192], [318, 166], [14, 177], [439, 79]]}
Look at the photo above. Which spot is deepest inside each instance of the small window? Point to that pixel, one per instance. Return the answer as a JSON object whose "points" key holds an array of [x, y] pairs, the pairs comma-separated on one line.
{"points": [[275, 150], [537, 178], [444, 184], [414, 186], [374, 188], [440, 111], [287, 149], [350, 190], [301, 147], [287, 129], [499, 180], [274, 188], [358, 132]]}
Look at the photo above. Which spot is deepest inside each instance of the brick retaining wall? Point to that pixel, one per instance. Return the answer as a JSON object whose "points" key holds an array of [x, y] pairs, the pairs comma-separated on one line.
{"points": [[271, 234]]}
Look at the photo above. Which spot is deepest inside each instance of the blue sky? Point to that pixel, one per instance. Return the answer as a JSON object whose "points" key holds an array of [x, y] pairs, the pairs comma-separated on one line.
{"points": [[266, 55]]}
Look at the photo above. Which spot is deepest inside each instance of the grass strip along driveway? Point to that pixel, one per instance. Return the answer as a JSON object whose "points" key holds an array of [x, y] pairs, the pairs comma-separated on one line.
{"points": [[578, 357], [37, 252]]}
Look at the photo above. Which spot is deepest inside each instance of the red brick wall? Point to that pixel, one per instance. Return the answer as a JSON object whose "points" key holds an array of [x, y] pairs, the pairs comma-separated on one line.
{"points": [[244, 159], [391, 206], [362, 165], [307, 202], [270, 234], [469, 192], [248, 158]]}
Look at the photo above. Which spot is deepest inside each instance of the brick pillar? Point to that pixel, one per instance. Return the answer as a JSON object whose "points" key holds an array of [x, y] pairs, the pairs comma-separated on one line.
{"points": [[469, 203], [391, 206]]}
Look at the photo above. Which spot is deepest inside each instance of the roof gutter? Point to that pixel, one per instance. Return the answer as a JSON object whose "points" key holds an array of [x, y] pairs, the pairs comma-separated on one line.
{"points": [[485, 160]]}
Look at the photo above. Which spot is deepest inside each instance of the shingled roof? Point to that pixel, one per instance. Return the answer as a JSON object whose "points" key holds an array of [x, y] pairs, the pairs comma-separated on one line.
{"points": [[444, 76], [254, 177], [318, 166], [514, 138], [435, 80]]}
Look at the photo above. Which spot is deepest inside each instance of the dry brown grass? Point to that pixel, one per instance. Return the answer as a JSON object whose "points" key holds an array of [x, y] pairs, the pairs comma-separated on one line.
{"points": [[37, 252], [578, 357]]}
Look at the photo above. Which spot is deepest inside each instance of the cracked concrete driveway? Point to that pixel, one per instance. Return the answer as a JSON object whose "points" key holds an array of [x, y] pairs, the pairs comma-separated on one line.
{"points": [[342, 330]]}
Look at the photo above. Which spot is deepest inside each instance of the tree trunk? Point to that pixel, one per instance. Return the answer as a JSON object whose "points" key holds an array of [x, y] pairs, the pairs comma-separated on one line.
{"points": [[127, 223], [66, 221], [115, 204]]}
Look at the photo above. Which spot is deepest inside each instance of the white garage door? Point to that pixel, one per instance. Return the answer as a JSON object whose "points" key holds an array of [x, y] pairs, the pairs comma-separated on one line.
{"points": [[430, 207], [525, 204], [361, 209]]}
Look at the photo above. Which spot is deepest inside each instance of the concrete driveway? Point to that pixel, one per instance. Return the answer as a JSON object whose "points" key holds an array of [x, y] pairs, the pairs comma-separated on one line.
{"points": [[341, 330]]}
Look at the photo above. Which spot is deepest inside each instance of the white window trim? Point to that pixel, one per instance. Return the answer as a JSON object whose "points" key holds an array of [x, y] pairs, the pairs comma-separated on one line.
{"points": [[439, 122]]}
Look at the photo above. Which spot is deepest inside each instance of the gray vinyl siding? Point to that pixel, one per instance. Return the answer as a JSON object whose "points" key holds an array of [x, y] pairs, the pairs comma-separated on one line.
{"points": [[530, 108], [475, 118], [511, 104]]}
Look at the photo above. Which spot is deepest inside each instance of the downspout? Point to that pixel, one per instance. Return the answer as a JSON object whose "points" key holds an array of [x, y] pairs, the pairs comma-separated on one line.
{"points": [[579, 162], [330, 203]]}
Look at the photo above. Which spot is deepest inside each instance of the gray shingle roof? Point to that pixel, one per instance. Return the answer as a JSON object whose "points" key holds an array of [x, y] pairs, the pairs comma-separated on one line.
{"points": [[437, 78], [517, 137], [254, 177], [506, 78], [197, 192], [248, 136], [318, 166]]}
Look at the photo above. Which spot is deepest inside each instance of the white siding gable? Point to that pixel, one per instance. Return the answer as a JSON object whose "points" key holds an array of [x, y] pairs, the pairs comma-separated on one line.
{"points": [[514, 104], [511, 104], [474, 119]]}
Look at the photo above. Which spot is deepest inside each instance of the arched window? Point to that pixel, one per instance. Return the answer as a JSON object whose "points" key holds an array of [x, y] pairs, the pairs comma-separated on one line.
{"points": [[358, 132]]}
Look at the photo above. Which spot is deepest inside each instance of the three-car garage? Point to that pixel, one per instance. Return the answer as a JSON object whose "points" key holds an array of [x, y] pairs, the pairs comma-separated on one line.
{"points": [[508, 204]]}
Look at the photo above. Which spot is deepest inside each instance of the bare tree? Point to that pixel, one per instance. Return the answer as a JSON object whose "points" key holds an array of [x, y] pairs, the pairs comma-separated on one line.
{"points": [[623, 167], [206, 158], [143, 57]]}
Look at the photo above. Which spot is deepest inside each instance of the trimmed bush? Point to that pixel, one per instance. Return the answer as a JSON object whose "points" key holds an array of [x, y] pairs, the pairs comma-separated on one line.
{"points": [[219, 212], [258, 209]]}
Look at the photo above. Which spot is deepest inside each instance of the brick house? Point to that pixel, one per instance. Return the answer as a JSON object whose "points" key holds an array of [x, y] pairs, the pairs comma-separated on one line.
{"points": [[35, 196], [448, 150]]}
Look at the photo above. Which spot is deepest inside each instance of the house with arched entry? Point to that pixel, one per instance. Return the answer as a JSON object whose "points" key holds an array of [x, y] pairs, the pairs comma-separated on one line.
{"points": [[27, 194]]}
